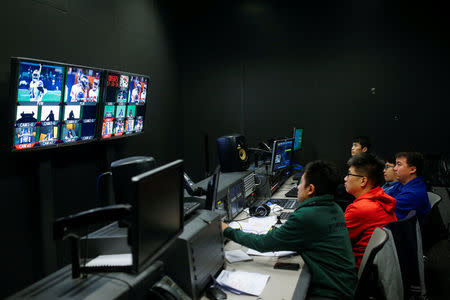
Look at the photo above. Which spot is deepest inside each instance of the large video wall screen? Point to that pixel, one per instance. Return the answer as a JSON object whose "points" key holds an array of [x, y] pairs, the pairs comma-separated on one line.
{"points": [[58, 104]]}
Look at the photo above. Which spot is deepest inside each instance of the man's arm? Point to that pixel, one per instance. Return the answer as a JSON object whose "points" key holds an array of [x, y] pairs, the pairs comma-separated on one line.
{"points": [[354, 223], [290, 236], [407, 201]]}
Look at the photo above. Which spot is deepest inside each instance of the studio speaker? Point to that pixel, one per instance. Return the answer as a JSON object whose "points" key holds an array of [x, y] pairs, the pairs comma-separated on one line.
{"points": [[232, 152]]}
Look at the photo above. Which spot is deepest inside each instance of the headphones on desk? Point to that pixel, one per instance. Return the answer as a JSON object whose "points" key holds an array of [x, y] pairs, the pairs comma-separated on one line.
{"points": [[262, 210]]}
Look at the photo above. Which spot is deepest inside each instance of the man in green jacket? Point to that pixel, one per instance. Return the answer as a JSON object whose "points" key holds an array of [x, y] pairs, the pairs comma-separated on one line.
{"points": [[316, 230]]}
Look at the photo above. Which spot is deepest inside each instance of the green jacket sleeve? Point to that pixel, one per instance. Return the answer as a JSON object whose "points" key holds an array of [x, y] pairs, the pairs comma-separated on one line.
{"points": [[289, 237]]}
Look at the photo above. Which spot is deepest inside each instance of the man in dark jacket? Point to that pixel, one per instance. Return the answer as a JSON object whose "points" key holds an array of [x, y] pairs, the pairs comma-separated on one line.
{"points": [[372, 207], [316, 230]]}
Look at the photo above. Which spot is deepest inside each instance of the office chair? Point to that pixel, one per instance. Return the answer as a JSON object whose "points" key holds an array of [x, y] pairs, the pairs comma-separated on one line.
{"points": [[433, 198], [407, 238], [367, 286], [432, 227]]}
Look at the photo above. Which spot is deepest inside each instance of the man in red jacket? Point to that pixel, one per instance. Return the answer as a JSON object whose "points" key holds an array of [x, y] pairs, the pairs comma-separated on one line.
{"points": [[372, 207]]}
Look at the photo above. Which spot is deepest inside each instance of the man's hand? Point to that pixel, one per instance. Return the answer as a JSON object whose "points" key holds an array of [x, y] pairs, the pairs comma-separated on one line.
{"points": [[224, 226]]}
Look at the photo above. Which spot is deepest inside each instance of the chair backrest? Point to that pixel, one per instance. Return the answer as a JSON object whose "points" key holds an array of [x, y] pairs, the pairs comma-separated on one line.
{"points": [[433, 198], [376, 242], [367, 286], [408, 242], [432, 227]]}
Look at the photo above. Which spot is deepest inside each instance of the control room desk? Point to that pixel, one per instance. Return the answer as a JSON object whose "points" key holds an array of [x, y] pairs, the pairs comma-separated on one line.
{"points": [[282, 284]]}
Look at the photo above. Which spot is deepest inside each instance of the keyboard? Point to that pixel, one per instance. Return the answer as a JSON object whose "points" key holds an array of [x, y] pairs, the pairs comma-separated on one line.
{"points": [[292, 192], [190, 207], [285, 203], [285, 215]]}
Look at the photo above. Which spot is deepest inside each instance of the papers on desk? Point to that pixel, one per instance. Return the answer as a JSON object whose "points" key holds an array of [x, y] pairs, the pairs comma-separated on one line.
{"points": [[236, 255], [257, 225], [240, 282], [276, 253], [111, 260]]}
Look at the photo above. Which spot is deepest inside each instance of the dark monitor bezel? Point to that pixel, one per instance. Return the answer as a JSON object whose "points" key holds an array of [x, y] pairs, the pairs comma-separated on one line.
{"points": [[103, 106], [212, 190], [134, 229], [14, 77], [294, 135], [274, 150]]}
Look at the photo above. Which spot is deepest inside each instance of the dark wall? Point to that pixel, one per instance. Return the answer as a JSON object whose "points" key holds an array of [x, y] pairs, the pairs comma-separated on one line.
{"points": [[39, 186], [261, 68]]}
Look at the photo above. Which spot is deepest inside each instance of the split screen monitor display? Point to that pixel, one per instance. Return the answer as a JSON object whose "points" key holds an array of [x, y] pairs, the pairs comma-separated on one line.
{"points": [[124, 105], [57, 104], [281, 154]]}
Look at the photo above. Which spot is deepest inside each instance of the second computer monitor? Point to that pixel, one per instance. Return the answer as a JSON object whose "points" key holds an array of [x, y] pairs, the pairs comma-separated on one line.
{"points": [[281, 155], [157, 216], [211, 190], [298, 136]]}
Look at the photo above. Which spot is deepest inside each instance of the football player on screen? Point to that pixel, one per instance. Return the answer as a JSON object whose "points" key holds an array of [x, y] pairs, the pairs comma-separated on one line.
{"points": [[37, 90], [143, 94], [135, 94], [93, 93], [79, 91]]}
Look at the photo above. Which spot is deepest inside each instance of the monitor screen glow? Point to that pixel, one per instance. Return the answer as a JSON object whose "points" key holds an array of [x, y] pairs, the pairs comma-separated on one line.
{"points": [[124, 104], [38, 104], [298, 137], [281, 154]]}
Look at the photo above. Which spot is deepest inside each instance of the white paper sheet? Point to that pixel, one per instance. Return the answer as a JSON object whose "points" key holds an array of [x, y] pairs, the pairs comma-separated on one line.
{"points": [[249, 283], [237, 255], [276, 253], [111, 260], [257, 225]]}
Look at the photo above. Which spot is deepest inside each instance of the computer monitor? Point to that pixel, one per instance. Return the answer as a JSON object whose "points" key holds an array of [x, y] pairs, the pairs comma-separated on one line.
{"points": [[236, 198], [55, 103], [37, 92], [281, 155], [157, 216], [211, 191], [126, 96], [79, 113], [298, 136], [123, 170]]}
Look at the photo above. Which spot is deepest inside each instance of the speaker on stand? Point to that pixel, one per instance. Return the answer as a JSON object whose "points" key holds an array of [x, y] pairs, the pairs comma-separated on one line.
{"points": [[232, 153]]}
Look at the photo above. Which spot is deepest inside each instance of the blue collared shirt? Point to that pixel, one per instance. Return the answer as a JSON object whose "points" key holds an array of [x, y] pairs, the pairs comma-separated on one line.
{"points": [[411, 196], [388, 186]]}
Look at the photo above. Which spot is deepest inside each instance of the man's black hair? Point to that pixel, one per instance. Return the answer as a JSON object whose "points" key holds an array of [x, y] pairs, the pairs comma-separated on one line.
{"points": [[364, 141], [323, 175], [368, 165], [413, 159], [390, 159]]}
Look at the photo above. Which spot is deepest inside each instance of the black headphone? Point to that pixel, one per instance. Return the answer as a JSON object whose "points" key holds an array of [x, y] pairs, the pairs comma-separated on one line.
{"points": [[262, 210]]}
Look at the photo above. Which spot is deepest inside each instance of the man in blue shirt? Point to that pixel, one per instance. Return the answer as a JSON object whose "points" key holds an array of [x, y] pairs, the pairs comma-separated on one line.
{"points": [[389, 175], [410, 192]]}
